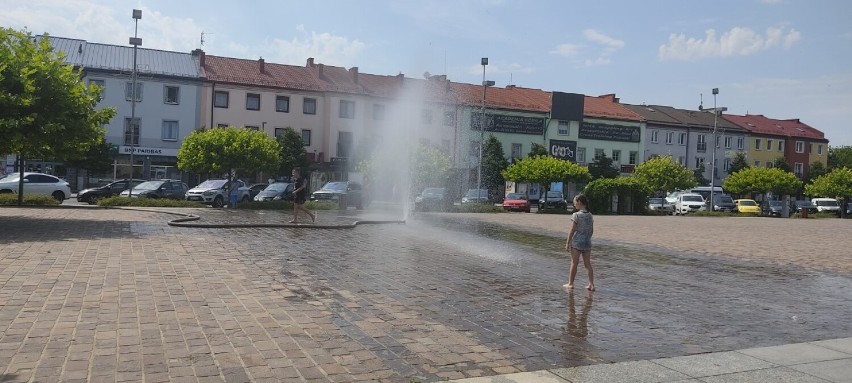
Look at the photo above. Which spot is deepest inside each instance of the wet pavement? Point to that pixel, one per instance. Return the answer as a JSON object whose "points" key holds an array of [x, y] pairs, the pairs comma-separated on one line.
{"points": [[118, 295]]}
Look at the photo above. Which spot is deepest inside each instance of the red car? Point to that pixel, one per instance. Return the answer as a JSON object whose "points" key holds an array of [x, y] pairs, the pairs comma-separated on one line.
{"points": [[516, 202]]}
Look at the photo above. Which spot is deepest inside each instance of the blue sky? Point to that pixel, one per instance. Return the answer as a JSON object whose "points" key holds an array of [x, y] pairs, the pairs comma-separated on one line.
{"points": [[780, 58]]}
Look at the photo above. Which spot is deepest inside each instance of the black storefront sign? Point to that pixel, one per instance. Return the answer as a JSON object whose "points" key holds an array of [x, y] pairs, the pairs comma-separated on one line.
{"points": [[606, 132], [509, 124], [563, 150]]}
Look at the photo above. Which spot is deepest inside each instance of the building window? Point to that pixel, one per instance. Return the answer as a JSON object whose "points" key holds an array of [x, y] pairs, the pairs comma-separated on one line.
{"points": [[563, 128], [282, 104], [780, 145], [654, 136], [306, 137], [252, 101], [131, 133], [681, 139], [220, 99], [669, 138], [253, 127], [811, 148], [717, 141], [768, 144], [616, 156], [740, 143], [347, 109], [800, 146], [699, 161], [819, 149], [702, 143], [516, 150], [757, 164], [309, 106], [728, 141], [682, 161], [378, 112], [426, 116], [581, 155], [128, 91], [633, 155], [598, 154], [279, 132], [100, 84], [799, 169], [449, 118], [171, 95], [756, 144], [770, 164], [726, 164], [344, 144], [170, 130], [474, 149]]}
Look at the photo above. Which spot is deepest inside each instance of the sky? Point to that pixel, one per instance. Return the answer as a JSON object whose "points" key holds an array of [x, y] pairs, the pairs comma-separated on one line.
{"points": [[779, 58]]}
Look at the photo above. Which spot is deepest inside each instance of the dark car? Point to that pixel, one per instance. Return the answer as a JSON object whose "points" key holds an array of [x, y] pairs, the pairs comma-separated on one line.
{"points": [[773, 208], [723, 203], [431, 199], [276, 191], [475, 196], [849, 209], [803, 204], [553, 200], [255, 189], [172, 189], [344, 193], [92, 195]]}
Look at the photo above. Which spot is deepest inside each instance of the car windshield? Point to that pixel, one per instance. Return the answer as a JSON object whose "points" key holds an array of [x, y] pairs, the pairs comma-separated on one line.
{"points": [[747, 202], [472, 193], [433, 192], [278, 186], [693, 198], [826, 203], [656, 201], [149, 185], [554, 194], [515, 196], [804, 203], [212, 184], [724, 199], [335, 186], [775, 203]]}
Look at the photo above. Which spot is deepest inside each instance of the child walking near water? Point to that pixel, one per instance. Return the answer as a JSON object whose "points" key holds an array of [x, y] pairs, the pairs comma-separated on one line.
{"points": [[579, 241]]}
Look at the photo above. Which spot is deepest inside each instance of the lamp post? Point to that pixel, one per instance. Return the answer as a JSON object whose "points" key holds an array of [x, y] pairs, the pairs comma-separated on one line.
{"points": [[713, 157], [485, 85], [134, 123]]}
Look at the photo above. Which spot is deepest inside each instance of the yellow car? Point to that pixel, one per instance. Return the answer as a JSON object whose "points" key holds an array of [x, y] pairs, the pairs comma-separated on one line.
{"points": [[747, 206]]}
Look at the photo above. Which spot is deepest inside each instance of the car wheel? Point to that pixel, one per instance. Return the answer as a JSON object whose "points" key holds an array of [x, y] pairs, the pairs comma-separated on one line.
{"points": [[93, 200], [59, 196], [218, 201]]}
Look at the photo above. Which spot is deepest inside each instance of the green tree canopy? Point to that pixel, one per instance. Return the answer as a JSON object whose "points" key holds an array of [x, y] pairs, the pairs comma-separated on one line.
{"points": [[663, 174], [602, 167], [629, 190], [544, 170], [762, 180], [97, 159], [493, 163], [429, 166], [230, 150], [698, 174], [537, 149], [816, 170], [291, 149], [738, 163], [835, 184], [781, 163], [839, 157], [46, 110]]}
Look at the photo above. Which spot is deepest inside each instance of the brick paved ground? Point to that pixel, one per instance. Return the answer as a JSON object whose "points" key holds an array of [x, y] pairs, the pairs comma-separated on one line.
{"points": [[117, 295]]}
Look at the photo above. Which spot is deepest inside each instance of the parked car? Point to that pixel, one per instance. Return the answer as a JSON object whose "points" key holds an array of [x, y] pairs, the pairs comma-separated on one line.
{"points": [[660, 205], [173, 189], [553, 200], [36, 183], [687, 203], [475, 196], [255, 189], [516, 202], [345, 193], [276, 191], [849, 209], [773, 208], [806, 205], [826, 205], [431, 199], [723, 203], [92, 195], [671, 198], [214, 192], [747, 206]]}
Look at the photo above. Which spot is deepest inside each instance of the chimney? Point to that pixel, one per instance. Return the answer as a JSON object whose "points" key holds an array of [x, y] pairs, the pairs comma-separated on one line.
{"points": [[200, 54], [262, 65], [310, 63], [321, 68], [510, 86], [354, 71]]}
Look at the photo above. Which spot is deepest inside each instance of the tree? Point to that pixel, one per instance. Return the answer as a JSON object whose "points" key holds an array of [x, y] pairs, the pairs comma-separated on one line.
{"points": [[762, 180], [545, 170], [291, 150], [817, 170], [602, 167], [493, 164], [46, 110], [429, 166], [665, 175], [698, 174], [538, 150], [781, 163], [98, 159], [839, 157], [738, 163], [230, 150], [835, 184], [632, 195]]}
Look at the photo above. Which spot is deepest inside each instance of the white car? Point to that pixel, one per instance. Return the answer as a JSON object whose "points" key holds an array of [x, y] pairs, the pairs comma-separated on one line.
{"points": [[687, 203], [215, 190], [36, 183], [826, 205]]}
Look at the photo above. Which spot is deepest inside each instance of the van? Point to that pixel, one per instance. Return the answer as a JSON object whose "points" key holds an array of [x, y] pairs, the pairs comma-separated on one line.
{"points": [[826, 205], [705, 191]]}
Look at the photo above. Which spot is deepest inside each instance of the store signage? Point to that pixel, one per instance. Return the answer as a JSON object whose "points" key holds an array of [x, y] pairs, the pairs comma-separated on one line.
{"points": [[501, 123], [607, 132], [563, 150], [147, 151]]}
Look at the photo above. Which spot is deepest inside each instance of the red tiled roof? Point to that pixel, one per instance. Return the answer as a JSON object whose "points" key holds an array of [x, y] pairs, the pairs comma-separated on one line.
{"points": [[247, 72], [510, 97], [607, 106], [760, 124]]}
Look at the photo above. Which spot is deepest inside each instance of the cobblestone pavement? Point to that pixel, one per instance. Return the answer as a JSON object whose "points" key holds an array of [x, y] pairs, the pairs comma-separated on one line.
{"points": [[118, 295]]}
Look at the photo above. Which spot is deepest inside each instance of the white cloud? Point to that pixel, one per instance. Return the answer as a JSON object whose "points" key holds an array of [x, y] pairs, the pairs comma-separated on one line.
{"points": [[600, 38], [738, 41], [567, 50], [597, 44], [326, 48]]}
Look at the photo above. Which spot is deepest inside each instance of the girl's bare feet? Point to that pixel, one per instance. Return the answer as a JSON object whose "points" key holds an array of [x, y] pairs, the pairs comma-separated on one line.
{"points": [[568, 286], [590, 287]]}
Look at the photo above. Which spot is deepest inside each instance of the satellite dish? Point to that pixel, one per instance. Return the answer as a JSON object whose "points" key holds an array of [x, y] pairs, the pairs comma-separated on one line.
{"points": [[426, 75]]}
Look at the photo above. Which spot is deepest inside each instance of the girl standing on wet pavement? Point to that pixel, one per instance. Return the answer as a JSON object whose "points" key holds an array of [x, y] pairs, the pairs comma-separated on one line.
{"points": [[579, 241]]}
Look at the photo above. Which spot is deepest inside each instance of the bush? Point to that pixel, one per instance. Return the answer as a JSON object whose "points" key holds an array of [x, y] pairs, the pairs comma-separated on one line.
{"points": [[286, 205], [146, 202], [10, 199], [476, 208], [815, 215]]}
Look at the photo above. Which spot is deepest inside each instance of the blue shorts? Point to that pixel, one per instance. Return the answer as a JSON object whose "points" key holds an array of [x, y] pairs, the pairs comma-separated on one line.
{"points": [[581, 243]]}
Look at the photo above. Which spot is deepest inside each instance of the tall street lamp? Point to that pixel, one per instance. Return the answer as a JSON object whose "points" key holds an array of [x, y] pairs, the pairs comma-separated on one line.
{"points": [[482, 125], [713, 157], [134, 123]]}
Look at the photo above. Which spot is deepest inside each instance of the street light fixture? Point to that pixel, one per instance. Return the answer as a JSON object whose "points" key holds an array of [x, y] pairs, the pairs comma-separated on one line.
{"points": [[134, 123], [713, 164], [482, 126]]}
